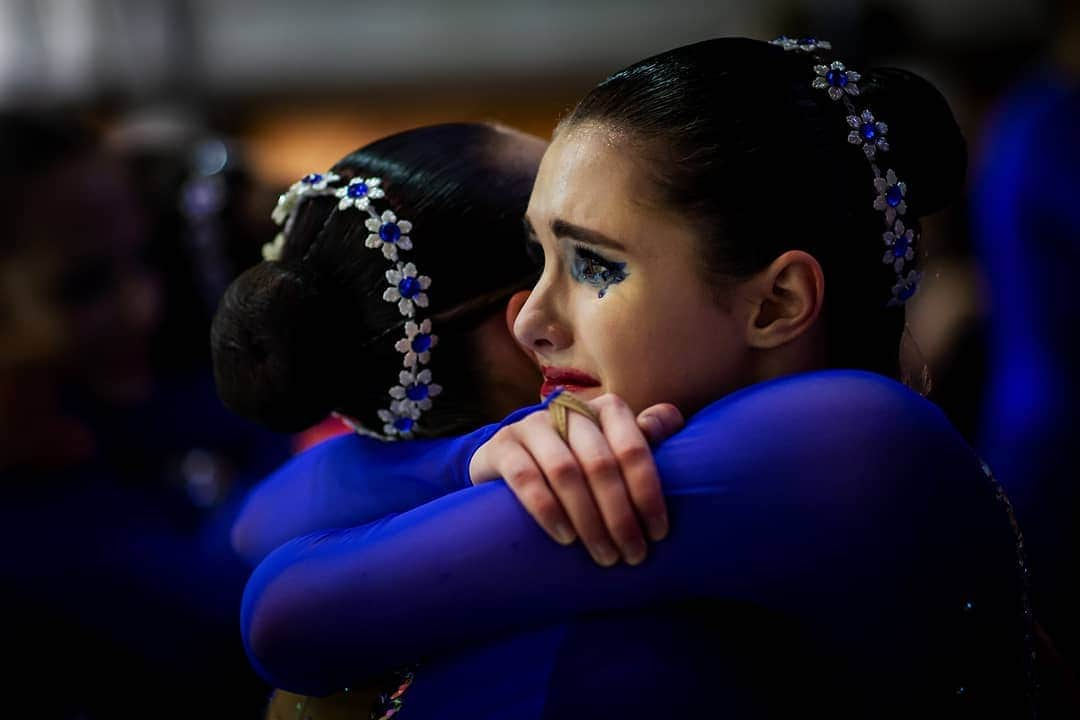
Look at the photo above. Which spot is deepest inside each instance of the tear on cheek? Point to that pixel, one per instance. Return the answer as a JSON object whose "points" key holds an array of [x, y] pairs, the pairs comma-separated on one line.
{"points": [[613, 276]]}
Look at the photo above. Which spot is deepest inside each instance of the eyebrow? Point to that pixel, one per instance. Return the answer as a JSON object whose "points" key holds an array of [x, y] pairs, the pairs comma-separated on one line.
{"points": [[564, 229]]}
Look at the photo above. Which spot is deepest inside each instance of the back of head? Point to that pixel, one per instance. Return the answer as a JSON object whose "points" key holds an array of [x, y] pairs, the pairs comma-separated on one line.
{"points": [[738, 139], [310, 333]]}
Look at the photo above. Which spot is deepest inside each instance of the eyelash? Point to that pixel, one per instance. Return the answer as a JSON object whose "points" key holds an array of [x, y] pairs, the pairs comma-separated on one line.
{"points": [[604, 273], [595, 270]]}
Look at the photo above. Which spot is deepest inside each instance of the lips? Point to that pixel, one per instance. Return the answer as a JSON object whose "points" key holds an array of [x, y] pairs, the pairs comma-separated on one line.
{"points": [[569, 378]]}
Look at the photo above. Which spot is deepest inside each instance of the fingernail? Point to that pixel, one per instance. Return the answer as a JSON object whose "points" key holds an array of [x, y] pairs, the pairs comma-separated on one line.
{"points": [[564, 534], [604, 554], [655, 426], [634, 552], [658, 527]]}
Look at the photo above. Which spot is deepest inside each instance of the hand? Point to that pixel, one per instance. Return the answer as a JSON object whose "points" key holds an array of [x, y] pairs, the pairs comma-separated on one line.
{"points": [[598, 486]]}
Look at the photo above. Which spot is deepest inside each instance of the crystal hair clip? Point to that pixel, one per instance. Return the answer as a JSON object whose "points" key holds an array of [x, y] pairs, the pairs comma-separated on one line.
{"points": [[870, 134], [406, 288]]}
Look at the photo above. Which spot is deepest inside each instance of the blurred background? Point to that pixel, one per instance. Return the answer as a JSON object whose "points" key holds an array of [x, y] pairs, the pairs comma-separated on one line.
{"points": [[145, 143]]}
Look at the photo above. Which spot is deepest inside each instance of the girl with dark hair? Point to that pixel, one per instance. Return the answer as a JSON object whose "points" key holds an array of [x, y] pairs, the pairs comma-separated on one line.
{"points": [[728, 227], [309, 333]]}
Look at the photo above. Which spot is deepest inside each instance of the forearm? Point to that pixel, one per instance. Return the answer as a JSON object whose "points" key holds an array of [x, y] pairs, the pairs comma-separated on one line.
{"points": [[346, 482], [762, 511]]}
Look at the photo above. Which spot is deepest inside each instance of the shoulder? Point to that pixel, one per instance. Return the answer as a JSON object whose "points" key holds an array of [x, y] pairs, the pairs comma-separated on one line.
{"points": [[852, 400], [834, 429]]}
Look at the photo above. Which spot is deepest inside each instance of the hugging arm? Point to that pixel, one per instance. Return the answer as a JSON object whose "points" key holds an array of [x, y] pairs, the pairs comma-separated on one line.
{"points": [[349, 481], [783, 495]]}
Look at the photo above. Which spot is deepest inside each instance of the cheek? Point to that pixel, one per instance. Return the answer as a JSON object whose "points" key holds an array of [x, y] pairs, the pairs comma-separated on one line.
{"points": [[628, 341], [685, 351]]}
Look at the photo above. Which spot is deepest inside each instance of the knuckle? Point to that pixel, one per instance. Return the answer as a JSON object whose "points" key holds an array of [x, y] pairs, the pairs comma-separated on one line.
{"points": [[541, 504], [600, 466], [634, 454], [607, 400], [521, 476], [611, 400], [563, 472], [503, 435]]}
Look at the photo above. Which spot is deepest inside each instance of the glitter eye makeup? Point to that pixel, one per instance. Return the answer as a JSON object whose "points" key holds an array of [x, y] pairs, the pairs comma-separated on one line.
{"points": [[589, 267]]}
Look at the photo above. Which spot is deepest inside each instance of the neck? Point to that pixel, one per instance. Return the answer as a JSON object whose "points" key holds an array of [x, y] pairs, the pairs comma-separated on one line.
{"points": [[803, 354]]}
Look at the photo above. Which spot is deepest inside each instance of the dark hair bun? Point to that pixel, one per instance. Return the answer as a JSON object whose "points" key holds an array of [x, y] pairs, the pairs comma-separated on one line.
{"points": [[271, 347], [927, 149]]}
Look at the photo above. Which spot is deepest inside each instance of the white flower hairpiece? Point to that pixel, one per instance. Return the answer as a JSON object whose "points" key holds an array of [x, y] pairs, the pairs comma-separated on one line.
{"points": [[806, 44], [359, 193], [898, 241], [417, 343], [389, 233], [406, 288], [837, 79], [870, 134], [414, 392], [310, 184], [271, 251]]}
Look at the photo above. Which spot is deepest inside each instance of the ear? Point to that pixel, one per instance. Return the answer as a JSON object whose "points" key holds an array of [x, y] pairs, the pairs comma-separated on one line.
{"points": [[513, 308], [788, 296]]}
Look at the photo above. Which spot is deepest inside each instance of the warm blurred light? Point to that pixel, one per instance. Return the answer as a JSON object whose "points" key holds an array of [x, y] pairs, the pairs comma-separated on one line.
{"points": [[288, 145]]}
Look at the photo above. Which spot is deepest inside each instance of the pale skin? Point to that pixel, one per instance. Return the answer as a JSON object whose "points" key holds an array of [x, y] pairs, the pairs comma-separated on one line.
{"points": [[623, 301]]}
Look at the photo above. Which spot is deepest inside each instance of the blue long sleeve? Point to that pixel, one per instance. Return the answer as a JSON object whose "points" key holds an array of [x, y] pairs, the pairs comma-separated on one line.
{"points": [[349, 481], [839, 498]]}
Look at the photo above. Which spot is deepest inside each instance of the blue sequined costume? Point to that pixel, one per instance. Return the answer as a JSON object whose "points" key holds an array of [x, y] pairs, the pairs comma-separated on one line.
{"points": [[834, 545]]}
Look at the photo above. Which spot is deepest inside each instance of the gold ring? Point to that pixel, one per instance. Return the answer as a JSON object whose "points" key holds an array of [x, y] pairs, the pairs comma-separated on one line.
{"points": [[559, 407]]}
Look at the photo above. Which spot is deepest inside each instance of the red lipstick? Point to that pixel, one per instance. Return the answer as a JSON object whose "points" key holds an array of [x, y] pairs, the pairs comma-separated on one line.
{"points": [[569, 378]]}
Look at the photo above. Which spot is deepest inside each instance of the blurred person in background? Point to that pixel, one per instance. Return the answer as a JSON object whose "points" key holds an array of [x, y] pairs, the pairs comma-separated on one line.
{"points": [[1027, 235], [120, 589]]}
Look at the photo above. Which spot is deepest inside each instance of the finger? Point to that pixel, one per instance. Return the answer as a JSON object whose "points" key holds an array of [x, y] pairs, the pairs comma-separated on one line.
{"points": [[635, 459], [566, 479], [527, 482], [659, 422], [608, 487]]}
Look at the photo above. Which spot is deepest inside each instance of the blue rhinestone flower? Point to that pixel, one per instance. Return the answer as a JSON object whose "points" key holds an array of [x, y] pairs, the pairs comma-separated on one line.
{"points": [[406, 288], [417, 343], [359, 193], [806, 44], [400, 419], [389, 233], [837, 79], [310, 184], [415, 388], [891, 194], [905, 287], [899, 242], [868, 132]]}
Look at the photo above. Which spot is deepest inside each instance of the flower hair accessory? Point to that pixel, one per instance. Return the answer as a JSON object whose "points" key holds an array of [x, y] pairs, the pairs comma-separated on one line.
{"points": [[283, 214], [413, 393], [806, 44], [870, 135]]}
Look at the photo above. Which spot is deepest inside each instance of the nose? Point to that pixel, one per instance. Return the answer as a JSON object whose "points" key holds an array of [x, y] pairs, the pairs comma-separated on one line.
{"points": [[539, 325]]}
